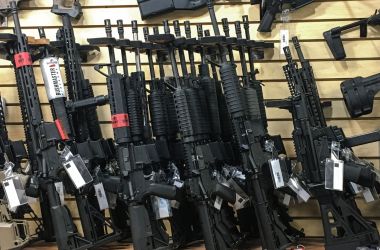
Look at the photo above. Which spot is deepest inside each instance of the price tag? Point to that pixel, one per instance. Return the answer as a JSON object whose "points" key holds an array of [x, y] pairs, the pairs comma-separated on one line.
{"points": [[101, 196], [286, 200], [178, 183], [218, 203], [11, 193], [60, 191], [162, 207], [276, 173], [370, 195], [284, 40], [240, 202], [74, 174], [77, 171]]}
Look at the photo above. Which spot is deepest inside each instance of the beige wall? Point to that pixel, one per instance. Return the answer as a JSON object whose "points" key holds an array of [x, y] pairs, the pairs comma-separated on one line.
{"points": [[308, 23]]}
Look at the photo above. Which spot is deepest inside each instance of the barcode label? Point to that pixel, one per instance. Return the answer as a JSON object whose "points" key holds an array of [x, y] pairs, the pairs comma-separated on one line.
{"points": [[10, 190], [218, 203], [284, 40]]}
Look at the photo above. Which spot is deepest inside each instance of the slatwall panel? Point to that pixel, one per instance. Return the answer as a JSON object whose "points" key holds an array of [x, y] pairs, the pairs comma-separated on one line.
{"points": [[308, 23]]}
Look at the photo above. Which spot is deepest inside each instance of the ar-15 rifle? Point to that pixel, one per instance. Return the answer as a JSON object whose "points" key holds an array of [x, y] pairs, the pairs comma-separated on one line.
{"points": [[93, 221], [344, 226], [270, 8], [149, 8], [135, 157], [359, 94], [333, 36], [41, 139], [249, 138], [203, 154]]}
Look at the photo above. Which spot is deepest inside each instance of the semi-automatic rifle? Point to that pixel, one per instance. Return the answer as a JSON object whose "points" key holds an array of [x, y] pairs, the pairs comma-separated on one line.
{"points": [[320, 147], [136, 156], [42, 140]]}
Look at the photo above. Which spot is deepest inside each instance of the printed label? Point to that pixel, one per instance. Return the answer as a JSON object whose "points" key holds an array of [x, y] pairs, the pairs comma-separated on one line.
{"points": [[277, 173], [284, 40], [52, 78]]}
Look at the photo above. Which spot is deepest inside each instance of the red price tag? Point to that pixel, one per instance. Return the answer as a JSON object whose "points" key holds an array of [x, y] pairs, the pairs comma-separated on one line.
{"points": [[120, 121], [23, 59]]}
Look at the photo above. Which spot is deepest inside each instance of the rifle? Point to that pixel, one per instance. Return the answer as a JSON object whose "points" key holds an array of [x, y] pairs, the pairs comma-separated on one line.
{"points": [[359, 94], [41, 139], [134, 156], [203, 155], [270, 8], [333, 36], [93, 221], [149, 8], [315, 144]]}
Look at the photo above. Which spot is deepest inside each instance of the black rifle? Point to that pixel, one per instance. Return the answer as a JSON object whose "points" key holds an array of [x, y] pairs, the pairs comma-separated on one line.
{"points": [[270, 8], [344, 226], [202, 154], [135, 157], [41, 140], [333, 36], [149, 8], [93, 221], [359, 94], [248, 135]]}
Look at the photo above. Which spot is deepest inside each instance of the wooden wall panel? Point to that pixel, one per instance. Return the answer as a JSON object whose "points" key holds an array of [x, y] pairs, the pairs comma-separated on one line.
{"points": [[309, 23]]}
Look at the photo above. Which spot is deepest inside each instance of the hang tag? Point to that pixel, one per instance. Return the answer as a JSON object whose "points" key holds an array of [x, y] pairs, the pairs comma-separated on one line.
{"points": [[370, 194], [14, 192], [334, 170], [284, 42], [61, 192], [77, 171], [286, 200], [161, 207], [356, 188], [296, 186], [278, 172], [112, 200], [240, 202], [175, 204], [101, 196], [218, 203], [178, 183]]}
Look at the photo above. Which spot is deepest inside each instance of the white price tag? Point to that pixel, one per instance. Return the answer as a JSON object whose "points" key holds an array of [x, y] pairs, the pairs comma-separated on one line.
{"points": [[277, 173], [178, 183], [240, 202], [10, 191], [218, 203], [60, 191], [284, 40], [101, 196], [286, 200], [74, 174], [338, 175]]}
